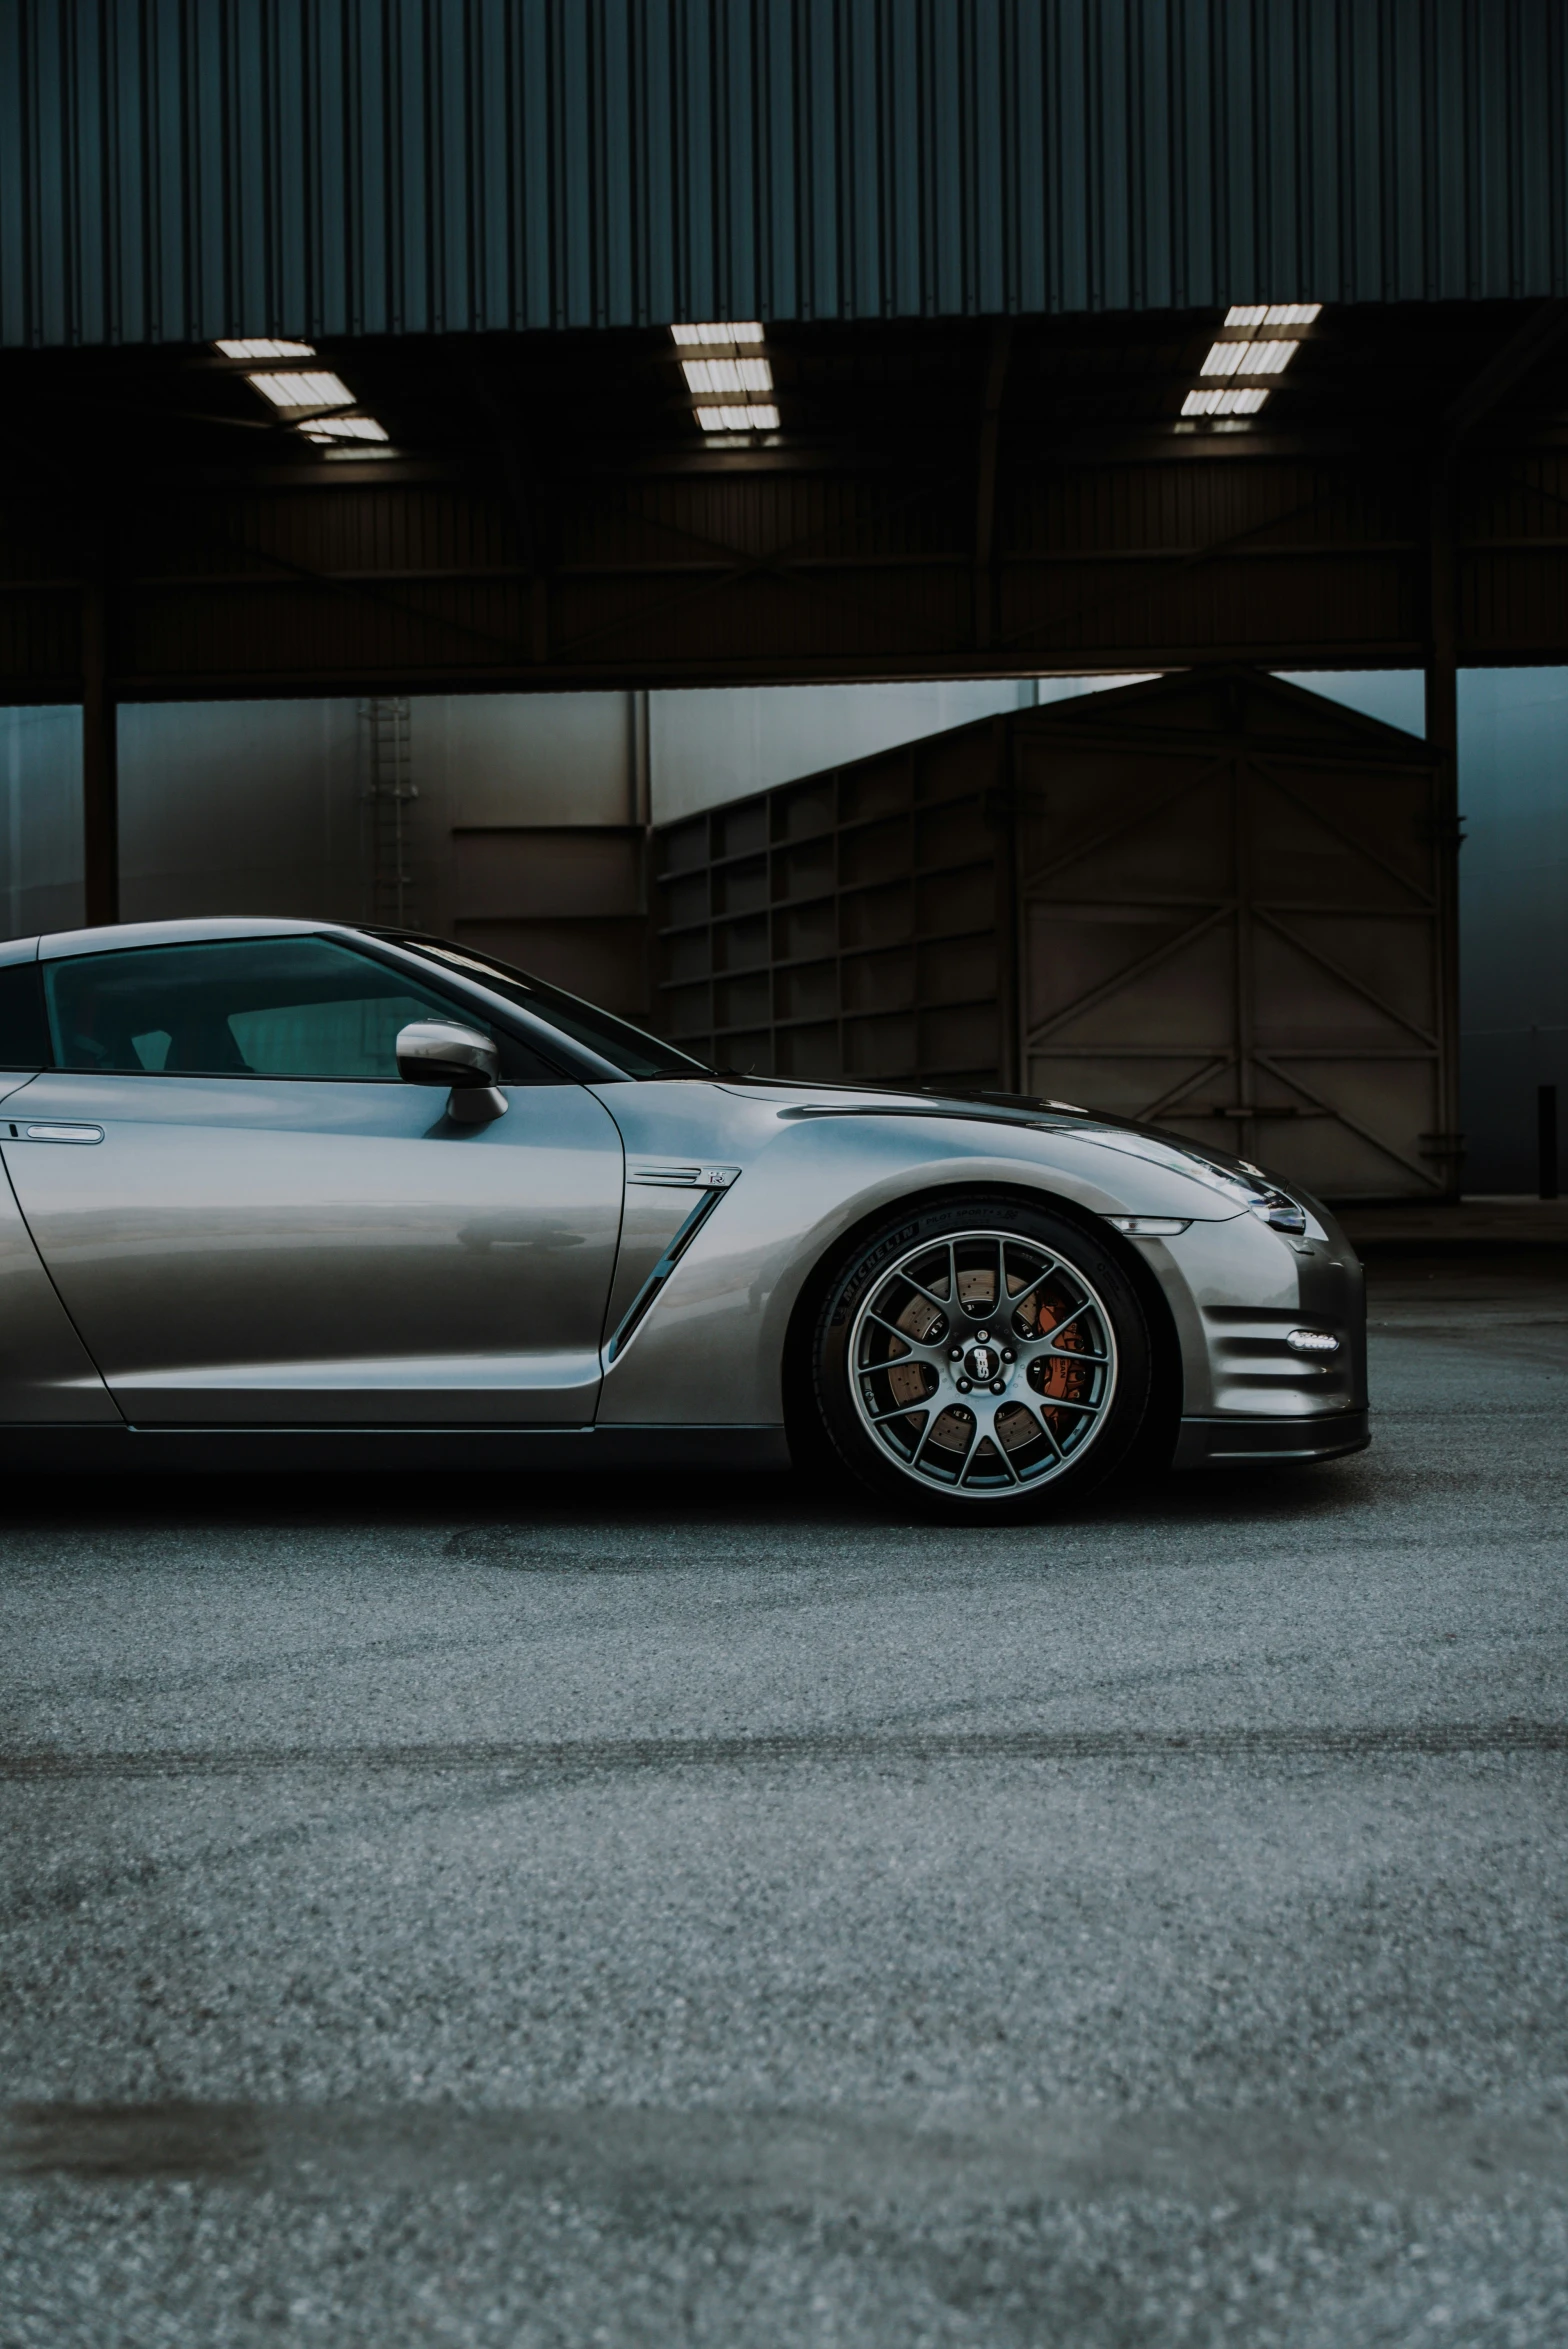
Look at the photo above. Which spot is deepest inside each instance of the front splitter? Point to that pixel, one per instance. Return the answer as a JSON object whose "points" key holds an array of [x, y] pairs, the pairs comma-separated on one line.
{"points": [[1256, 1443]]}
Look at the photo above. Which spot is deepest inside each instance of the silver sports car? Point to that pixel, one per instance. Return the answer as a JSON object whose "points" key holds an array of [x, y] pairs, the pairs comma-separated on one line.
{"points": [[287, 1192]]}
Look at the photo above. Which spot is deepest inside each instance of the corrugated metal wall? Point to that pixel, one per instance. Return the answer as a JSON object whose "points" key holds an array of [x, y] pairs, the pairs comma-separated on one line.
{"points": [[175, 171]]}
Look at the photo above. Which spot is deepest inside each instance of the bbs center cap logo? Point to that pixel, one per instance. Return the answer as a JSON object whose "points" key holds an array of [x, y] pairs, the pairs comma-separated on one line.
{"points": [[983, 1363]]}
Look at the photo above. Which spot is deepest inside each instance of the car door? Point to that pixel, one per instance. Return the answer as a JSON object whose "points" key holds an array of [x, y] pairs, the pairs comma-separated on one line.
{"points": [[251, 1220]]}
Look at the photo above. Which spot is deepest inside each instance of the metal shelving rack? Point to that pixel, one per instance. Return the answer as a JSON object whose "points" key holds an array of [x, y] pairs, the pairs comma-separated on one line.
{"points": [[850, 925]]}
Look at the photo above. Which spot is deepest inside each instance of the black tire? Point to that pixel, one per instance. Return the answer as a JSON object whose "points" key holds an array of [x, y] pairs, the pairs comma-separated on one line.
{"points": [[910, 1318]]}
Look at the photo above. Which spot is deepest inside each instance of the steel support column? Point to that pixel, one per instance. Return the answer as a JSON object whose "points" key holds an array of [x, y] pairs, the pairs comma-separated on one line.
{"points": [[1446, 1146], [100, 755], [985, 580]]}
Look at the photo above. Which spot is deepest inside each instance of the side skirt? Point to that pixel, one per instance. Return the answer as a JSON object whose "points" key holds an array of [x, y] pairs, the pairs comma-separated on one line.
{"points": [[229, 1451]]}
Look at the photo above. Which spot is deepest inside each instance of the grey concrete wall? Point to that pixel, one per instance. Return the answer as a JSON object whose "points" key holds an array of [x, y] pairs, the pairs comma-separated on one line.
{"points": [[717, 743], [540, 801], [1513, 767], [260, 807], [1513, 898], [512, 758], [241, 807], [1397, 696], [40, 820]]}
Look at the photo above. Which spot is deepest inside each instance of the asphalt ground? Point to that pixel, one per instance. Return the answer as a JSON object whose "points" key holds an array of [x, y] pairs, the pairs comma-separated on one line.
{"points": [[479, 1913]]}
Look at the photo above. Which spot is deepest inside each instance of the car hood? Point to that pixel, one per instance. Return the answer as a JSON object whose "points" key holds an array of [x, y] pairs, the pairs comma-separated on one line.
{"points": [[1021, 1112]]}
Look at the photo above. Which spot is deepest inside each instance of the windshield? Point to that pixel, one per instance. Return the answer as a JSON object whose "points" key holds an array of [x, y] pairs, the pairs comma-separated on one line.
{"points": [[617, 1041]]}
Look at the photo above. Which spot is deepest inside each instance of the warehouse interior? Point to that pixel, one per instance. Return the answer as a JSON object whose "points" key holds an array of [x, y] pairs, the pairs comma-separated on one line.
{"points": [[525, 820], [426, 548]]}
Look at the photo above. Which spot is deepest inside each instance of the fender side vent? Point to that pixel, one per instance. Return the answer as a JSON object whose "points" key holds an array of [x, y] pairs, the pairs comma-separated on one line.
{"points": [[661, 1273]]}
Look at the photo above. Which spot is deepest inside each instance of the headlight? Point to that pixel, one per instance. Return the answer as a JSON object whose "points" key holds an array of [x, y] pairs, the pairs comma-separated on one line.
{"points": [[1269, 1205], [1279, 1213], [1242, 1184]]}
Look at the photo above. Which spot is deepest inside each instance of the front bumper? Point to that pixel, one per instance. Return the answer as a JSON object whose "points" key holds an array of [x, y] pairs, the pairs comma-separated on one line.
{"points": [[1234, 1442], [1237, 1290]]}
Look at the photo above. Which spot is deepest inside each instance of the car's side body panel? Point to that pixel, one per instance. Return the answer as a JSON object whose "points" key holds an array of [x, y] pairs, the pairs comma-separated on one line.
{"points": [[813, 1165], [46, 1373], [259, 1250]]}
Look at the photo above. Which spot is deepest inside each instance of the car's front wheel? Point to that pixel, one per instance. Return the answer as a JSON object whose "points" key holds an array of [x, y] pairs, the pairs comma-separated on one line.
{"points": [[983, 1358]]}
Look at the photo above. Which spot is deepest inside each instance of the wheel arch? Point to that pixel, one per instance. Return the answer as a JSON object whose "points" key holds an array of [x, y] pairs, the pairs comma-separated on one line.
{"points": [[808, 1444]]}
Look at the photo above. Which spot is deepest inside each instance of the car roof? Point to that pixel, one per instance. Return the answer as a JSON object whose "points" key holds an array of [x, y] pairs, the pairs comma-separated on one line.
{"points": [[580, 1059], [117, 936]]}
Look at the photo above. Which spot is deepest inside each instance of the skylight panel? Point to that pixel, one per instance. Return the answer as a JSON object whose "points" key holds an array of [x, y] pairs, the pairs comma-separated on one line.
{"points": [[1249, 358], [262, 347], [1272, 313], [1240, 352], [330, 428], [315, 388], [726, 378], [729, 333], [754, 417], [1242, 400], [314, 401], [727, 375]]}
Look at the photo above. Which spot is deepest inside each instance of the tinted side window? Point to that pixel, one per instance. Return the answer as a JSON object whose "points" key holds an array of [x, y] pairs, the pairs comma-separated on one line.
{"points": [[24, 1038], [265, 1007]]}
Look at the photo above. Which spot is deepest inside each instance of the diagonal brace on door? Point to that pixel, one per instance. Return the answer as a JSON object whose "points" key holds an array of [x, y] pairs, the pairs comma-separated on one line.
{"points": [[1168, 1100], [1352, 1125], [1346, 978], [1124, 825], [1276, 781], [1128, 977]]}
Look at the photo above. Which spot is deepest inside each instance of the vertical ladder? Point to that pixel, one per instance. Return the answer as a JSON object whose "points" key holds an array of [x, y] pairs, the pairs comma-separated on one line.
{"points": [[389, 795]]}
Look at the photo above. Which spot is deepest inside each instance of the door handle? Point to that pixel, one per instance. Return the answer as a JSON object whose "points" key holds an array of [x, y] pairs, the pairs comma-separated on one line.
{"points": [[55, 1133]]}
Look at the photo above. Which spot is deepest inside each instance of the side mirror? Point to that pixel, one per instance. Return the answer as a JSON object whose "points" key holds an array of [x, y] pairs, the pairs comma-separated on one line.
{"points": [[438, 1052]]}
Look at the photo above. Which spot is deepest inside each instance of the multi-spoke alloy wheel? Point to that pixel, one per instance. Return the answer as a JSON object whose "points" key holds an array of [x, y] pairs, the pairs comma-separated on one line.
{"points": [[983, 1358]]}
